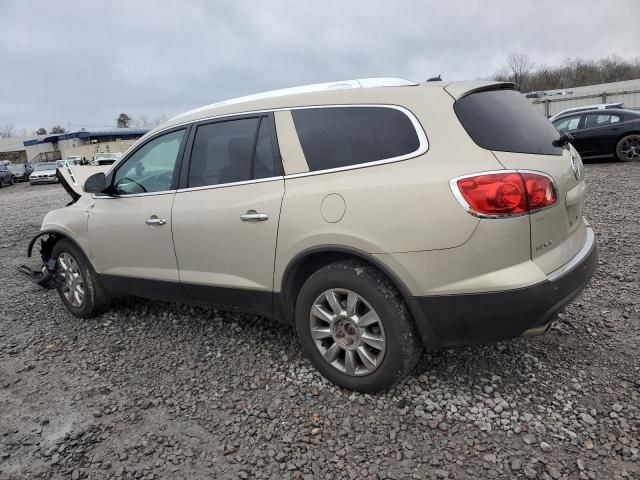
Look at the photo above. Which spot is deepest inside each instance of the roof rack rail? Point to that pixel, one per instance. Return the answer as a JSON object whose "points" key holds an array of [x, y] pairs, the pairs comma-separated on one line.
{"points": [[316, 87]]}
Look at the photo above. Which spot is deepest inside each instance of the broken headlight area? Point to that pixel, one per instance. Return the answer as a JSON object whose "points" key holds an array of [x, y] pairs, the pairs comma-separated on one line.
{"points": [[46, 274]]}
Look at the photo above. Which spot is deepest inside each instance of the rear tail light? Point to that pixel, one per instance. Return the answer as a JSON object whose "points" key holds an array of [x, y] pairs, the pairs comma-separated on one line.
{"points": [[504, 193]]}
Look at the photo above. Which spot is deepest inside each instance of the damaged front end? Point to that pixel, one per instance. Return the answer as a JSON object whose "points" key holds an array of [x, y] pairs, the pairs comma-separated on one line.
{"points": [[46, 276]]}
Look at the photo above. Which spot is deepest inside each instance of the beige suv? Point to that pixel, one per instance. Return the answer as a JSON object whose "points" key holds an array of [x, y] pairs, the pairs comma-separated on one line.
{"points": [[376, 216]]}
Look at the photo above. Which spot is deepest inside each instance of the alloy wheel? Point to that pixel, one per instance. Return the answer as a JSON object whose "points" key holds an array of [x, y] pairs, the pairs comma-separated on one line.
{"points": [[347, 332], [73, 286], [629, 148]]}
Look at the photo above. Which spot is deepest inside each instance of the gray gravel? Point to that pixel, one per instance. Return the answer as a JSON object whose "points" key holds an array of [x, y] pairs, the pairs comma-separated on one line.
{"points": [[157, 390]]}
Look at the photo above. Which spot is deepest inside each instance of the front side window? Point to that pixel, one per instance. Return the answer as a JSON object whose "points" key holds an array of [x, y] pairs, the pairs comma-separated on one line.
{"points": [[151, 167], [334, 137]]}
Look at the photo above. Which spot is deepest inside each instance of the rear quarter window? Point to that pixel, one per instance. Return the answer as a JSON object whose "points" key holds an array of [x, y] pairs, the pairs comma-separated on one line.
{"points": [[504, 120], [334, 137]]}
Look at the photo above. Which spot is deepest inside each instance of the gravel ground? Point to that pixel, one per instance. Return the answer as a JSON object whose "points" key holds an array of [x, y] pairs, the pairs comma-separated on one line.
{"points": [[157, 390]]}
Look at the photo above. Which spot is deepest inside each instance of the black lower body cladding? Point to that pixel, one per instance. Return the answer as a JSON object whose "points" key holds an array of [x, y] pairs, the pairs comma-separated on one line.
{"points": [[486, 317]]}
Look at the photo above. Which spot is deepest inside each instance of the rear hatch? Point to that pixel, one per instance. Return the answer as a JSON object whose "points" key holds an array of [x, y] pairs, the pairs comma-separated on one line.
{"points": [[521, 138]]}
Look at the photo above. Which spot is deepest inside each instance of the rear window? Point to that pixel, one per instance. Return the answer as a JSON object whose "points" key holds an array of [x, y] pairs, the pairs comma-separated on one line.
{"points": [[336, 137], [504, 120]]}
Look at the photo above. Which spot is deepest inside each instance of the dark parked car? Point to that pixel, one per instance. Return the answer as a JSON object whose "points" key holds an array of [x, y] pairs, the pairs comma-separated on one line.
{"points": [[20, 172], [5, 176], [611, 133]]}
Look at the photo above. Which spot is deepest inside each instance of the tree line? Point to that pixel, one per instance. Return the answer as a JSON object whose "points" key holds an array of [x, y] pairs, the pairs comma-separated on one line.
{"points": [[571, 73]]}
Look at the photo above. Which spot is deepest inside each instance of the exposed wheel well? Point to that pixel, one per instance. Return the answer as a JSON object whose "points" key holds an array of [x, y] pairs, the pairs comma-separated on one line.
{"points": [[51, 237]]}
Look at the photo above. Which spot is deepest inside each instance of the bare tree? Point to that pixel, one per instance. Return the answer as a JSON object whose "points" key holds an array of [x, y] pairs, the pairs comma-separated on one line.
{"points": [[41, 131], [520, 69], [571, 73], [7, 130], [57, 129]]}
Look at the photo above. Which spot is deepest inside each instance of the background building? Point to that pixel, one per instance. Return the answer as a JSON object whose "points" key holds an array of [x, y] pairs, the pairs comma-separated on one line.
{"points": [[85, 143], [551, 102]]}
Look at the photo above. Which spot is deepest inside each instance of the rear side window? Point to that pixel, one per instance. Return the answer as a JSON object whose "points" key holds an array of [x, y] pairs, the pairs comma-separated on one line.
{"points": [[336, 137], [505, 121], [599, 119], [232, 151]]}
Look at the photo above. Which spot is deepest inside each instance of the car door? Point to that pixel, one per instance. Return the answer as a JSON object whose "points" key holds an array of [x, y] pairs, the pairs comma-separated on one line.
{"points": [[131, 243], [225, 215], [598, 136]]}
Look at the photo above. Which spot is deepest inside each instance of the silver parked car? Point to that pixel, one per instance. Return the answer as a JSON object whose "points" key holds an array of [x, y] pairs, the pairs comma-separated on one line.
{"points": [[44, 173]]}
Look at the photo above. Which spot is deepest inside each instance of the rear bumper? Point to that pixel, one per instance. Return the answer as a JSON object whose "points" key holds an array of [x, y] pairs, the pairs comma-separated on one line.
{"points": [[484, 317]]}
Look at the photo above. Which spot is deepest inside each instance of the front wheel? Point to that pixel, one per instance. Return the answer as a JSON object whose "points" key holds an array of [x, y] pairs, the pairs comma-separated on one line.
{"points": [[628, 148], [355, 328], [1, 182], [79, 290]]}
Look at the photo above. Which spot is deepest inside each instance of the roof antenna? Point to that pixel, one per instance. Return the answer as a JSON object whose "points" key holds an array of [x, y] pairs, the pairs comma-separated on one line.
{"points": [[435, 79]]}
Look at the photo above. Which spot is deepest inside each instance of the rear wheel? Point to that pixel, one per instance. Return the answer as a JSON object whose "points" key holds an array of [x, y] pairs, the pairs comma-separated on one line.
{"points": [[355, 328], [80, 291], [628, 148], [1, 182]]}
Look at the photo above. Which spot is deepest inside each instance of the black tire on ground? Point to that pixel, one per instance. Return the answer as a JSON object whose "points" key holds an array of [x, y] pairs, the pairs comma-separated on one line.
{"points": [[403, 344], [11, 182], [634, 138], [96, 299], [1, 182]]}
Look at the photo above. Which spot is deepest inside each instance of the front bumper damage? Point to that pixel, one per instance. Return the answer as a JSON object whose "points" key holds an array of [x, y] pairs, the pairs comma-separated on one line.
{"points": [[46, 274]]}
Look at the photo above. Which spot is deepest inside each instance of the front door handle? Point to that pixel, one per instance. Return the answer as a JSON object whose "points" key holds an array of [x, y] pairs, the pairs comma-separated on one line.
{"points": [[154, 220], [253, 216]]}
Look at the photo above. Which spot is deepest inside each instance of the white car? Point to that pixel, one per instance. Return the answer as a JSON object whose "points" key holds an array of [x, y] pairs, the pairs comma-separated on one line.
{"points": [[106, 158], [44, 173]]}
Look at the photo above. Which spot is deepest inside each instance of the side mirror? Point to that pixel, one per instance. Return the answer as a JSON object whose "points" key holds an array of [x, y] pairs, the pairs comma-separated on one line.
{"points": [[95, 183]]}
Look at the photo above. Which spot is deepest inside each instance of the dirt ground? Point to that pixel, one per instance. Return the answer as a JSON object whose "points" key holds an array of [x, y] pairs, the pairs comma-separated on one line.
{"points": [[157, 390]]}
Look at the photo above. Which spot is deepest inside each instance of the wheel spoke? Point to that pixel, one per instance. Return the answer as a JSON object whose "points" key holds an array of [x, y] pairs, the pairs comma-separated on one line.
{"points": [[332, 353], [334, 303], [368, 359], [322, 314], [352, 303], [350, 364], [368, 319], [318, 333], [372, 339]]}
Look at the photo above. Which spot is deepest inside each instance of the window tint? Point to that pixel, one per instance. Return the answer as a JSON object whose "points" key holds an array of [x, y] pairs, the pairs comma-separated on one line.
{"points": [[342, 136], [504, 120], [151, 167], [264, 166], [222, 152], [567, 124], [598, 120]]}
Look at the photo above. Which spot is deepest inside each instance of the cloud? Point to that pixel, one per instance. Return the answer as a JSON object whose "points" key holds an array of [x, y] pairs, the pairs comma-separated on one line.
{"points": [[83, 62]]}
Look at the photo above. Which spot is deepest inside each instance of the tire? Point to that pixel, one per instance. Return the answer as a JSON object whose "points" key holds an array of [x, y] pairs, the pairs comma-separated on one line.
{"points": [[382, 319], [72, 263], [628, 148], [11, 182], [1, 182]]}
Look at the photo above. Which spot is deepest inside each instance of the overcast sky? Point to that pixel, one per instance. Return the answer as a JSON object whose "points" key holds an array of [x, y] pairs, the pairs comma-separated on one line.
{"points": [[81, 63]]}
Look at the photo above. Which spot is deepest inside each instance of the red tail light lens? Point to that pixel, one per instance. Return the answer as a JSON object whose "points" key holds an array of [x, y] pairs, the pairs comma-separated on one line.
{"points": [[505, 193]]}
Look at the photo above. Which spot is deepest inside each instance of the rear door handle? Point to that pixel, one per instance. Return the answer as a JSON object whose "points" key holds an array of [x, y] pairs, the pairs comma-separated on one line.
{"points": [[154, 220], [253, 216]]}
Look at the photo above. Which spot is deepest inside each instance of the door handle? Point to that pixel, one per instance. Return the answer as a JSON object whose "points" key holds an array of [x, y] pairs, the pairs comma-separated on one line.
{"points": [[253, 216], [154, 220]]}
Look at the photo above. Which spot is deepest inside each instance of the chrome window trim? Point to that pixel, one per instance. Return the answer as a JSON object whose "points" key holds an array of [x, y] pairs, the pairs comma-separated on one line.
{"points": [[453, 185], [130, 195], [232, 184], [423, 143]]}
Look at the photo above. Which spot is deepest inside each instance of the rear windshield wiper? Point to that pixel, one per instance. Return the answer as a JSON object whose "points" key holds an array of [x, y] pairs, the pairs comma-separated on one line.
{"points": [[563, 139]]}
